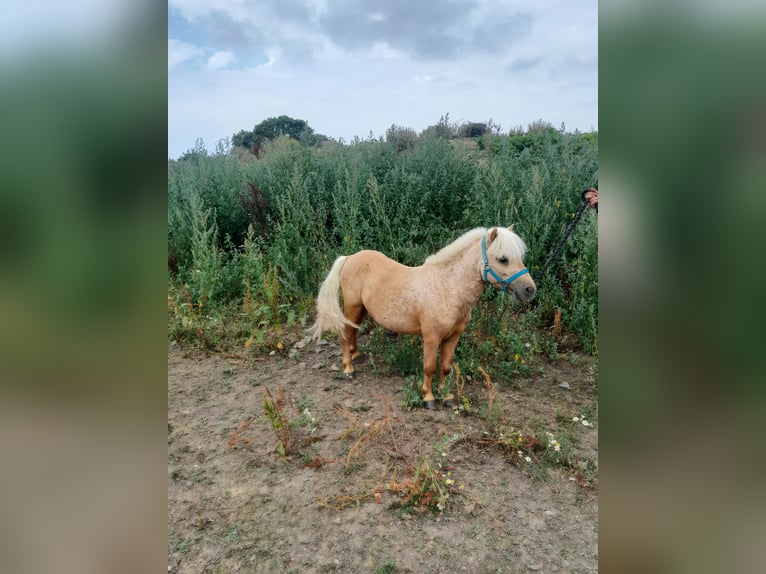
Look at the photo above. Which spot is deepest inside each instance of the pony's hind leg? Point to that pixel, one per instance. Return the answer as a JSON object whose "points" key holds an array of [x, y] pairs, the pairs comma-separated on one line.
{"points": [[356, 314], [357, 318]]}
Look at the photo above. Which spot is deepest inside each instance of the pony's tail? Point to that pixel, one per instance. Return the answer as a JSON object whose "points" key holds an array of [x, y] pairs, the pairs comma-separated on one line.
{"points": [[329, 314]]}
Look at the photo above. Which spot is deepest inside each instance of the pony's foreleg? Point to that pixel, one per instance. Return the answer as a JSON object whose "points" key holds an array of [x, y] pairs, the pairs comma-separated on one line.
{"points": [[447, 352], [430, 348]]}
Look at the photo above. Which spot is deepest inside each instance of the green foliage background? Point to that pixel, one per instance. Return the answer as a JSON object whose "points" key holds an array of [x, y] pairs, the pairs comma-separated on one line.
{"points": [[406, 196]]}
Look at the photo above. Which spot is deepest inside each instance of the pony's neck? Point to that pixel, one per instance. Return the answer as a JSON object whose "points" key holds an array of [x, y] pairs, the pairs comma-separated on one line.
{"points": [[463, 271]]}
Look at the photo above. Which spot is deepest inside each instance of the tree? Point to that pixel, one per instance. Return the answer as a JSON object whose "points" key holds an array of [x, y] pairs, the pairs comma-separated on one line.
{"points": [[472, 130], [243, 138], [272, 128]]}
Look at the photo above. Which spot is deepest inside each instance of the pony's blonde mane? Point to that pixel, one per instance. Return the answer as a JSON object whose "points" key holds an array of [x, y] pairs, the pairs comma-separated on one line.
{"points": [[458, 246], [507, 243]]}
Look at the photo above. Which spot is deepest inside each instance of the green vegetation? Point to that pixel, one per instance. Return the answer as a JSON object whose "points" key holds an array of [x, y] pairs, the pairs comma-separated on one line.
{"points": [[388, 567], [251, 236], [272, 128]]}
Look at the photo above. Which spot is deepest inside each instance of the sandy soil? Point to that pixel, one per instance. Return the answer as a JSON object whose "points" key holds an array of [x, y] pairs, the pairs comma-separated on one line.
{"points": [[236, 506]]}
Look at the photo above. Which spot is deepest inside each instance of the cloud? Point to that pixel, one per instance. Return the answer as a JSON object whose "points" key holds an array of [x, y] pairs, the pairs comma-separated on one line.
{"points": [[576, 72], [301, 29], [576, 65], [523, 64], [494, 37], [433, 30], [248, 29], [222, 30], [179, 52], [218, 61], [424, 30], [350, 66]]}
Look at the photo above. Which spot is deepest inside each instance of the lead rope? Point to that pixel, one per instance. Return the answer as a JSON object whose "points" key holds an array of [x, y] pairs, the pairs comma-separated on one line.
{"points": [[568, 232]]}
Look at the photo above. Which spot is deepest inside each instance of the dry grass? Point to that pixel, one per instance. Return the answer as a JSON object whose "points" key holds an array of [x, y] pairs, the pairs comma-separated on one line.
{"points": [[236, 439], [366, 432]]}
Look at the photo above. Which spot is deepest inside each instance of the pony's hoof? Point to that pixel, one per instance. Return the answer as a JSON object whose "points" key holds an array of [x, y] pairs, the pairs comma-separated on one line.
{"points": [[350, 376], [450, 403], [429, 405]]}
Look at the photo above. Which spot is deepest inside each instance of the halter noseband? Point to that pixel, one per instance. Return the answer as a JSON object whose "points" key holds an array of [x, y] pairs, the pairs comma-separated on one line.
{"points": [[487, 269]]}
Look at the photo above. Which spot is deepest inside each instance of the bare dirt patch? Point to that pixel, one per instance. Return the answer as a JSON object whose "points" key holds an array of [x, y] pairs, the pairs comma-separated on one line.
{"points": [[235, 506]]}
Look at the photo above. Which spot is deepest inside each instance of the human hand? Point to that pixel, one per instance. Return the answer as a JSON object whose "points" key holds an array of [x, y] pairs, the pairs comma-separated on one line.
{"points": [[591, 196]]}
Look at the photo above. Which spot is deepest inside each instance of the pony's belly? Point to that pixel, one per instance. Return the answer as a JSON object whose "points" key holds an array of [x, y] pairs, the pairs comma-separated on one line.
{"points": [[397, 323]]}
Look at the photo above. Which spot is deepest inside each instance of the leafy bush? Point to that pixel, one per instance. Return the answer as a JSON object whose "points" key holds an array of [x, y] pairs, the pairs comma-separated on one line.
{"points": [[400, 137], [238, 223]]}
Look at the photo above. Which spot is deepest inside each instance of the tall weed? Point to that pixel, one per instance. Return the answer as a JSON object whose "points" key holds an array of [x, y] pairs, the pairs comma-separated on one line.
{"points": [[408, 201], [299, 247], [204, 278]]}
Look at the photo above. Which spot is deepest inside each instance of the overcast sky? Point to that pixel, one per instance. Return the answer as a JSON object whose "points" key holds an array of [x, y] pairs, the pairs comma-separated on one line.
{"points": [[349, 67]]}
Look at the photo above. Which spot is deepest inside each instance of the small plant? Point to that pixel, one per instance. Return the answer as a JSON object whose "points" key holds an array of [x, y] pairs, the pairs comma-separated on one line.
{"points": [[550, 348], [264, 314], [186, 317], [519, 447], [543, 450], [552, 445], [556, 451], [410, 394], [305, 403], [275, 411], [388, 567], [465, 403], [583, 421], [492, 413], [427, 486], [306, 420], [455, 384], [271, 296]]}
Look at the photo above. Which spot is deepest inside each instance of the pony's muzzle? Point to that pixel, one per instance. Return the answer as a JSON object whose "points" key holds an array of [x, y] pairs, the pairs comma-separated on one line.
{"points": [[526, 292]]}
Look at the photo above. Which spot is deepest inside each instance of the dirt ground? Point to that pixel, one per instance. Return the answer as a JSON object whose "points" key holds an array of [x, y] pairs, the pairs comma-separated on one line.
{"points": [[236, 506]]}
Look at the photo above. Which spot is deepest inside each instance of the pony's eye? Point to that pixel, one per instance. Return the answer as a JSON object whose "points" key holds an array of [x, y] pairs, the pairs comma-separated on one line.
{"points": [[502, 260]]}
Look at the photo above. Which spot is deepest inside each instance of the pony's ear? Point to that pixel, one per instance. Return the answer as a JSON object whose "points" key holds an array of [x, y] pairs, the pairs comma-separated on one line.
{"points": [[492, 235], [510, 227]]}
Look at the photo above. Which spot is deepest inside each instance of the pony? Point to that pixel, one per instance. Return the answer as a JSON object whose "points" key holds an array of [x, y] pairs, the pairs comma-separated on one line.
{"points": [[433, 300]]}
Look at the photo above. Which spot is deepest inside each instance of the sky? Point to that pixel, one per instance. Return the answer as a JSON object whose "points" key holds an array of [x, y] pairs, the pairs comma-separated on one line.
{"points": [[354, 67]]}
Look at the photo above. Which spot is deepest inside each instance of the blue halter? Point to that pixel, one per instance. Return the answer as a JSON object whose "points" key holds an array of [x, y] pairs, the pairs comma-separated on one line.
{"points": [[503, 284]]}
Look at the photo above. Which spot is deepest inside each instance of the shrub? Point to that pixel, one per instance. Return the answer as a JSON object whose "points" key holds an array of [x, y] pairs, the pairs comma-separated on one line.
{"points": [[234, 219]]}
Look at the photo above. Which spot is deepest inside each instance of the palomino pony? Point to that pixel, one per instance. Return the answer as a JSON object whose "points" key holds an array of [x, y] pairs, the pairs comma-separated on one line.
{"points": [[433, 300]]}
